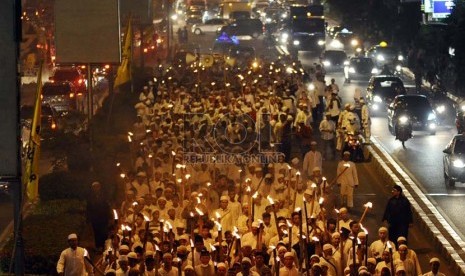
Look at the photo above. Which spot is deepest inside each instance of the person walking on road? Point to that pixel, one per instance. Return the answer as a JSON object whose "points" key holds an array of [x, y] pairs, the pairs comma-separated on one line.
{"points": [[347, 180], [72, 260], [98, 214], [398, 214], [366, 121], [328, 129], [435, 264]]}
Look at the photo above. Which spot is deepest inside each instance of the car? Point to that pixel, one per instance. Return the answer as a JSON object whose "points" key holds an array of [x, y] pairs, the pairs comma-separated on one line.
{"points": [[385, 55], [417, 109], [347, 39], [70, 74], [454, 160], [194, 16], [244, 27], [333, 60], [49, 119], [210, 26], [382, 89], [359, 68], [62, 96]]}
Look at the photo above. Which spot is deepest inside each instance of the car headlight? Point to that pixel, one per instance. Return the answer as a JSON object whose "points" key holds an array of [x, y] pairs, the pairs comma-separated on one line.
{"points": [[403, 120], [346, 62], [374, 71], [352, 70], [377, 99], [380, 57], [398, 68], [284, 15], [296, 42], [440, 109], [321, 42], [326, 63], [268, 20], [284, 36], [431, 116], [354, 42], [400, 58], [336, 44], [458, 163], [432, 126]]}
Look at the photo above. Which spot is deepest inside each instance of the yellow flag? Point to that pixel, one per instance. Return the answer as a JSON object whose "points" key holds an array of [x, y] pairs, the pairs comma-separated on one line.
{"points": [[123, 74], [31, 175]]}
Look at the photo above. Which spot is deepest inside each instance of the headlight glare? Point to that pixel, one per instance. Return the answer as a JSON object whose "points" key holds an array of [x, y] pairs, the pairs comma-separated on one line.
{"points": [[377, 99], [458, 163], [431, 116]]}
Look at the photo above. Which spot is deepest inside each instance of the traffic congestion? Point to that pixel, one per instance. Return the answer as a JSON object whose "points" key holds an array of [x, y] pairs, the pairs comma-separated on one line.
{"points": [[251, 149]]}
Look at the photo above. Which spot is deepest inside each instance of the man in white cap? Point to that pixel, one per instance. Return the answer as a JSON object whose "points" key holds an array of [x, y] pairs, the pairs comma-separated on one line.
{"points": [[328, 130], [377, 247], [167, 268], [411, 254], [366, 121], [246, 265], [434, 263], [334, 265], [405, 262], [251, 238], [73, 261], [312, 159], [223, 214], [347, 179], [289, 268]]}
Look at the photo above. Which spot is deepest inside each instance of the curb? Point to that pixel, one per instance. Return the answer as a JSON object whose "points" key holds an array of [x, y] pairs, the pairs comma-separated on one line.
{"points": [[423, 209]]}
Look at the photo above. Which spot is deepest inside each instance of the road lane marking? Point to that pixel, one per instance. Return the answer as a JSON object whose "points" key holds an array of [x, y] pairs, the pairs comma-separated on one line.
{"points": [[442, 194]]}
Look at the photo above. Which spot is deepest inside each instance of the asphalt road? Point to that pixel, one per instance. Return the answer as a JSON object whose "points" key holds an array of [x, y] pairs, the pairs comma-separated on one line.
{"points": [[371, 187]]}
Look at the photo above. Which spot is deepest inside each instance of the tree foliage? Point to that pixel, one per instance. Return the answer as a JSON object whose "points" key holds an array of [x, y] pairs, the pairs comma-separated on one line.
{"points": [[456, 37]]}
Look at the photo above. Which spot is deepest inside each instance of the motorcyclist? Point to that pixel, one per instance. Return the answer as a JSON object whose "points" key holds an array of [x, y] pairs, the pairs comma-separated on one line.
{"points": [[386, 70]]}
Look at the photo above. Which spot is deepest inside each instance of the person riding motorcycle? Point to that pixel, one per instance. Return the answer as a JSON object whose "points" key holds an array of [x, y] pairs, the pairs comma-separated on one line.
{"points": [[386, 70]]}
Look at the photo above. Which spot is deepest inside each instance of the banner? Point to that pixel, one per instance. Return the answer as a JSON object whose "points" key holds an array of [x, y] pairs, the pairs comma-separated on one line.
{"points": [[31, 175], [123, 74]]}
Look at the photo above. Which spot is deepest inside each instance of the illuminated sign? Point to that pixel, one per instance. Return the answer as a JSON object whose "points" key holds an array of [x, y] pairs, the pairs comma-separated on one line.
{"points": [[441, 8]]}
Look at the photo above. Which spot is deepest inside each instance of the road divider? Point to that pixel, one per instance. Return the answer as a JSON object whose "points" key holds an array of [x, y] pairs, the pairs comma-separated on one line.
{"points": [[434, 225]]}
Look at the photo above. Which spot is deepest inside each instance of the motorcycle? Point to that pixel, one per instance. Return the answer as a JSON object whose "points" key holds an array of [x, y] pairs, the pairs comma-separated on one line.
{"points": [[403, 129], [354, 145]]}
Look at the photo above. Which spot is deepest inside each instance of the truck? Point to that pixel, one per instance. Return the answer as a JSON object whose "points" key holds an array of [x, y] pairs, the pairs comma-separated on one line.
{"points": [[235, 10], [306, 29]]}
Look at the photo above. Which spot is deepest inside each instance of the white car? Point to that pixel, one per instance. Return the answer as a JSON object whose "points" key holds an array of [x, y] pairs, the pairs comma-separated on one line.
{"points": [[210, 26]]}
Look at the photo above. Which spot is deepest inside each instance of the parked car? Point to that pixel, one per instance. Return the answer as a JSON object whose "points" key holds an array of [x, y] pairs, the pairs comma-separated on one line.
{"points": [[70, 74], [49, 120], [418, 110], [359, 68], [244, 27], [210, 26], [62, 96], [454, 160], [382, 89]]}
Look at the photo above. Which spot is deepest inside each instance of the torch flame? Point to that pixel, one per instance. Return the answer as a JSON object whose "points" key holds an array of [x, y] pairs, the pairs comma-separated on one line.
{"points": [[368, 205], [169, 225], [255, 195], [173, 153], [270, 199], [115, 214], [321, 200], [122, 175], [347, 165], [218, 225], [212, 248], [146, 218], [336, 210], [188, 176], [178, 166], [389, 245], [313, 186], [323, 178], [157, 248], [297, 209], [289, 224], [199, 211], [135, 203], [316, 239], [297, 173], [218, 216], [192, 243]]}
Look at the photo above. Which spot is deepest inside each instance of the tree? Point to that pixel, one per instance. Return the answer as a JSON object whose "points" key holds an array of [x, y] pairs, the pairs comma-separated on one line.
{"points": [[456, 37]]}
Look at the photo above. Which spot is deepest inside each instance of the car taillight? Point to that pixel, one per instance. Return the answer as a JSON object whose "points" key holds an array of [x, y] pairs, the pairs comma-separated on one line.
{"points": [[71, 95], [53, 126]]}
